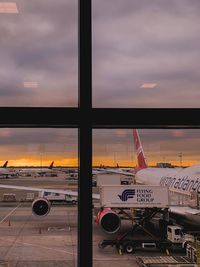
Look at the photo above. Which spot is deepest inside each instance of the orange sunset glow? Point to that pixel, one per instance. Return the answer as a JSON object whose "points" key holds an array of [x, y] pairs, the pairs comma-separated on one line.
{"points": [[39, 147], [69, 162]]}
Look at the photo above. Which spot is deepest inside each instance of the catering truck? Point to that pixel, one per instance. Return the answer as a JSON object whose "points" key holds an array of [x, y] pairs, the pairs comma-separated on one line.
{"points": [[134, 196], [153, 203], [131, 241]]}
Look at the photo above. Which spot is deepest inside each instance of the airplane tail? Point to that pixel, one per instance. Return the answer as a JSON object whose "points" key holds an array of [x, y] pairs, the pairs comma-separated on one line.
{"points": [[5, 164], [141, 162], [51, 165]]}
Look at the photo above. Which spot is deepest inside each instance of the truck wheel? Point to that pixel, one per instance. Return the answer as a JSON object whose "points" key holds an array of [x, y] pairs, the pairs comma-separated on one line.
{"points": [[128, 247], [185, 245], [161, 247]]}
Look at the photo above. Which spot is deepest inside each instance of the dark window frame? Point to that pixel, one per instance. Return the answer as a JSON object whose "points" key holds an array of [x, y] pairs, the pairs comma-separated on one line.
{"points": [[86, 118]]}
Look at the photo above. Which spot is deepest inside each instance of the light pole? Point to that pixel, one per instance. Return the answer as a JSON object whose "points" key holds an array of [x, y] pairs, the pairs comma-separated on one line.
{"points": [[180, 155], [41, 160]]}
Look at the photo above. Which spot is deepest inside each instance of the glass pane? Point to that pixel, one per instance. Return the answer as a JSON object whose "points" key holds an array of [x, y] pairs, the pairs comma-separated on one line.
{"points": [[146, 53], [136, 172], [39, 53], [38, 214]]}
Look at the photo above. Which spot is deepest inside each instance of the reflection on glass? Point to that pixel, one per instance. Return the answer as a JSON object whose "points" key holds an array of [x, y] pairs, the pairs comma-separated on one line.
{"points": [[146, 53], [148, 184], [38, 220], [39, 53]]}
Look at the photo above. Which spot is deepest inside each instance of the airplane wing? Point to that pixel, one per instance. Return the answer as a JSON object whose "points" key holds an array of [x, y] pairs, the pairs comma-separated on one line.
{"points": [[173, 190], [119, 172], [51, 190], [184, 210]]}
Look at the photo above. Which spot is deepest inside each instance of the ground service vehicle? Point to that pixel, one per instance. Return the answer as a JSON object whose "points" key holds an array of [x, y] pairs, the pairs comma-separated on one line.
{"points": [[135, 239], [56, 197]]}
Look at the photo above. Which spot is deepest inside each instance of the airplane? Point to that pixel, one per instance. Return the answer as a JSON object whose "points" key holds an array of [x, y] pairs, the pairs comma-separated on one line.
{"points": [[4, 172], [108, 219], [36, 171], [4, 166], [180, 181], [177, 180], [183, 181]]}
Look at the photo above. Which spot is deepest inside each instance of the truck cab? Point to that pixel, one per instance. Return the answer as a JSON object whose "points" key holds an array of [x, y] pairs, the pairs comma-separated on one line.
{"points": [[174, 233], [177, 237]]}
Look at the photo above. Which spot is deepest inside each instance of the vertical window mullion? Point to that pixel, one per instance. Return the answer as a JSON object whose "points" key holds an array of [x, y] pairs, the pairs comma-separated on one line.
{"points": [[85, 136]]}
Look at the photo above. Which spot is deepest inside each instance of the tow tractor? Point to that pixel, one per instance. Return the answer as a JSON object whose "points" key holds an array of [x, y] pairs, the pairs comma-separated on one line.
{"points": [[174, 238]]}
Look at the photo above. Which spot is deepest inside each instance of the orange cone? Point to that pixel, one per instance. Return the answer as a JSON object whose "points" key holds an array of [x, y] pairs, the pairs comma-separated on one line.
{"points": [[9, 223]]}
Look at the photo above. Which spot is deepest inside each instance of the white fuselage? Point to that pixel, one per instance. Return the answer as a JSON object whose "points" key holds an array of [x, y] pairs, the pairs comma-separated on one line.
{"points": [[180, 180]]}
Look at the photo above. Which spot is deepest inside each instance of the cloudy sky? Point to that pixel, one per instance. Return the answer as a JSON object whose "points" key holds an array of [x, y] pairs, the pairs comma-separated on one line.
{"points": [[38, 147], [39, 48], [142, 42], [160, 145], [145, 54]]}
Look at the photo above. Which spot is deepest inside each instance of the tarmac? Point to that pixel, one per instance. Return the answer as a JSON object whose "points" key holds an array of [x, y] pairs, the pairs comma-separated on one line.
{"points": [[30, 241]]}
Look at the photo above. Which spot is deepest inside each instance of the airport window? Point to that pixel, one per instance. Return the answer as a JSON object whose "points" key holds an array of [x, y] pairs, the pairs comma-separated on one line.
{"points": [[38, 227], [145, 54], [39, 58], [86, 118], [148, 181]]}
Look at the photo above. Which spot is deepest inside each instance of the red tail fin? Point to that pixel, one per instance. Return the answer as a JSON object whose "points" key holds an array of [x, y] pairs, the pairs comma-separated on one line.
{"points": [[141, 162], [5, 164], [51, 165]]}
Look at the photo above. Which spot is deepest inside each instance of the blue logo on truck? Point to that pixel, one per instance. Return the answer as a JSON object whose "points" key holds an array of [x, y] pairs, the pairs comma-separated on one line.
{"points": [[126, 194]]}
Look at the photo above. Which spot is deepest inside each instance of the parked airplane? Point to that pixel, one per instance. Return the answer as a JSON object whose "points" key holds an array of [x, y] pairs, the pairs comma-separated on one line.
{"points": [[37, 171], [182, 181], [4, 172], [178, 180]]}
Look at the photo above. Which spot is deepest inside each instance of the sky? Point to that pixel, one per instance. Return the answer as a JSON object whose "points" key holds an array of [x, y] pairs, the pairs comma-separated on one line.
{"points": [[39, 147], [39, 54], [141, 42], [145, 53], [114, 147]]}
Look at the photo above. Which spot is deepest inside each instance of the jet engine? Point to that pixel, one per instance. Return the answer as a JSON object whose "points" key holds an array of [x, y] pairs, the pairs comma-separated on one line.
{"points": [[109, 221], [41, 206]]}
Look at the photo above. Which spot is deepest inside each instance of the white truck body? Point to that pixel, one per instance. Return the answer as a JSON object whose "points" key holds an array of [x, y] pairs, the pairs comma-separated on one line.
{"points": [[108, 179], [60, 197], [134, 196]]}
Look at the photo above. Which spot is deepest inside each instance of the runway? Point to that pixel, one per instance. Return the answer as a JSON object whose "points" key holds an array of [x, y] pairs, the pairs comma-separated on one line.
{"points": [[47, 241]]}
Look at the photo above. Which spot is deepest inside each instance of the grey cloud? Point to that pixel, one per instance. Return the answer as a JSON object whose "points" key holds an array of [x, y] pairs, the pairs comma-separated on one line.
{"points": [[38, 135], [40, 44], [158, 144], [146, 41]]}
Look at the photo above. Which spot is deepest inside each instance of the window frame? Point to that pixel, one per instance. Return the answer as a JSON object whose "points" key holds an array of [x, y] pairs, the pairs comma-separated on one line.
{"points": [[86, 118]]}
